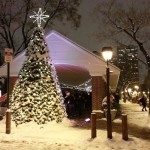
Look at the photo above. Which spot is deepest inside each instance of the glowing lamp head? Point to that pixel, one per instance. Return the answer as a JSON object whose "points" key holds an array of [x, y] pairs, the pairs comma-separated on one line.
{"points": [[129, 90], [136, 87], [107, 53]]}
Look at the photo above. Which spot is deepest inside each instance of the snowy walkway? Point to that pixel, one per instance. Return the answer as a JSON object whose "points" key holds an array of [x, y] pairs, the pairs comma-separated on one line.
{"points": [[72, 136], [138, 121]]}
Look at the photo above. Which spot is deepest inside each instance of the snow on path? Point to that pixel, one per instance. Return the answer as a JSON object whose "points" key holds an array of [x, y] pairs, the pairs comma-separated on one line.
{"points": [[135, 114], [63, 137], [69, 136]]}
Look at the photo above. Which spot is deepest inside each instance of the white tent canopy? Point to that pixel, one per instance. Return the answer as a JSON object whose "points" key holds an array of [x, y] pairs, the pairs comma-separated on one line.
{"points": [[74, 64]]}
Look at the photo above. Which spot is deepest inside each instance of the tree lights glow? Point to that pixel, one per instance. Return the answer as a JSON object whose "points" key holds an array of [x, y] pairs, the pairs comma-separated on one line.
{"points": [[36, 95]]}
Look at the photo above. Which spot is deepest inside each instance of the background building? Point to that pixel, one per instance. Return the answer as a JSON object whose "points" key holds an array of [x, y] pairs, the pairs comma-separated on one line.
{"points": [[126, 60]]}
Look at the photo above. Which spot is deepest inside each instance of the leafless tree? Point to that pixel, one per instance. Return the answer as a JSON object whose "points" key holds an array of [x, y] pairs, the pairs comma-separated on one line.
{"points": [[15, 26], [126, 22]]}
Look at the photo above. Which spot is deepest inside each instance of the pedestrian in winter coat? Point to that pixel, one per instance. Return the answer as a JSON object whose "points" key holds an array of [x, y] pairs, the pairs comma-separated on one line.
{"points": [[112, 102], [143, 102], [69, 104]]}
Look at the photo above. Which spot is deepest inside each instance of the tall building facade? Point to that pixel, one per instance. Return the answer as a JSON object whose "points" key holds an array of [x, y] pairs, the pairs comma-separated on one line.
{"points": [[127, 60]]}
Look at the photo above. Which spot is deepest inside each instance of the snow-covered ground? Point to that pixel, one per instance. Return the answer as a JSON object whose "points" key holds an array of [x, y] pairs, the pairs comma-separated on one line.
{"points": [[72, 135]]}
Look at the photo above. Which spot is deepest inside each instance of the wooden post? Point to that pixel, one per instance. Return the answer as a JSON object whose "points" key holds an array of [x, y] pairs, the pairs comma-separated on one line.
{"points": [[8, 114], [124, 127], [93, 125], [8, 122]]}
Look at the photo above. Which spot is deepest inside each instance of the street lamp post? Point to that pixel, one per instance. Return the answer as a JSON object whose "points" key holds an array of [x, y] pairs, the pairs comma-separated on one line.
{"points": [[107, 54]]}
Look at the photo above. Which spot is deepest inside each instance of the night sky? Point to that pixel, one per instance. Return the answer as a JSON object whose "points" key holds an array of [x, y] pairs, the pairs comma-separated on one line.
{"points": [[84, 34]]}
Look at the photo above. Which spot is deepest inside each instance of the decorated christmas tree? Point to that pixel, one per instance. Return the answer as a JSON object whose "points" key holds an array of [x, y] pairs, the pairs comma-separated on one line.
{"points": [[37, 95]]}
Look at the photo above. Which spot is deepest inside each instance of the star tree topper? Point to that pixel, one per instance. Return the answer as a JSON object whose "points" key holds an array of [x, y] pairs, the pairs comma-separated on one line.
{"points": [[39, 16]]}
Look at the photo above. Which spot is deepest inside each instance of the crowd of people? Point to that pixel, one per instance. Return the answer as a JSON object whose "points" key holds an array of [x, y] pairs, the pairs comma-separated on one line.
{"points": [[77, 103]]}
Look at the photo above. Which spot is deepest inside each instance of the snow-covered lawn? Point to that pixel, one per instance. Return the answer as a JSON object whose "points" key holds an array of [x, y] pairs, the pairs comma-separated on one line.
{"points": [[65, 136]]}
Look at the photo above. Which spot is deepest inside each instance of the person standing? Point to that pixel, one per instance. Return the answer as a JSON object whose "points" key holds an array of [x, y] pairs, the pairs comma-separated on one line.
{"points": [[69, 104], [112, 102], [143, 102], [117, 98], [80, 102]]}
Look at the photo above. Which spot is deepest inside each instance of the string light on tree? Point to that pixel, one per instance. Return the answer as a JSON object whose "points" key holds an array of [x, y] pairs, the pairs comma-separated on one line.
{"points": [[37, 95]]}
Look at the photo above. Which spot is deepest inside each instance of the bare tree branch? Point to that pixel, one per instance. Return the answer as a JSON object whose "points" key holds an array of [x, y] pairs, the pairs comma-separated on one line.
{"points": [[132, 22], [15, 26]]}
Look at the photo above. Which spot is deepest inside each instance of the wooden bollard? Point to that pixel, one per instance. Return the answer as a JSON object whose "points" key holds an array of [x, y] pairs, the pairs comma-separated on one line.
{"points": [[93, 125], [124, 127], [8, 122]]}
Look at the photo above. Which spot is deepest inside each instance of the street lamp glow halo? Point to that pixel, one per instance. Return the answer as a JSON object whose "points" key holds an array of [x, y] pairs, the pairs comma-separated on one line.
{"points": [[107, 53], [136, 87]]}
